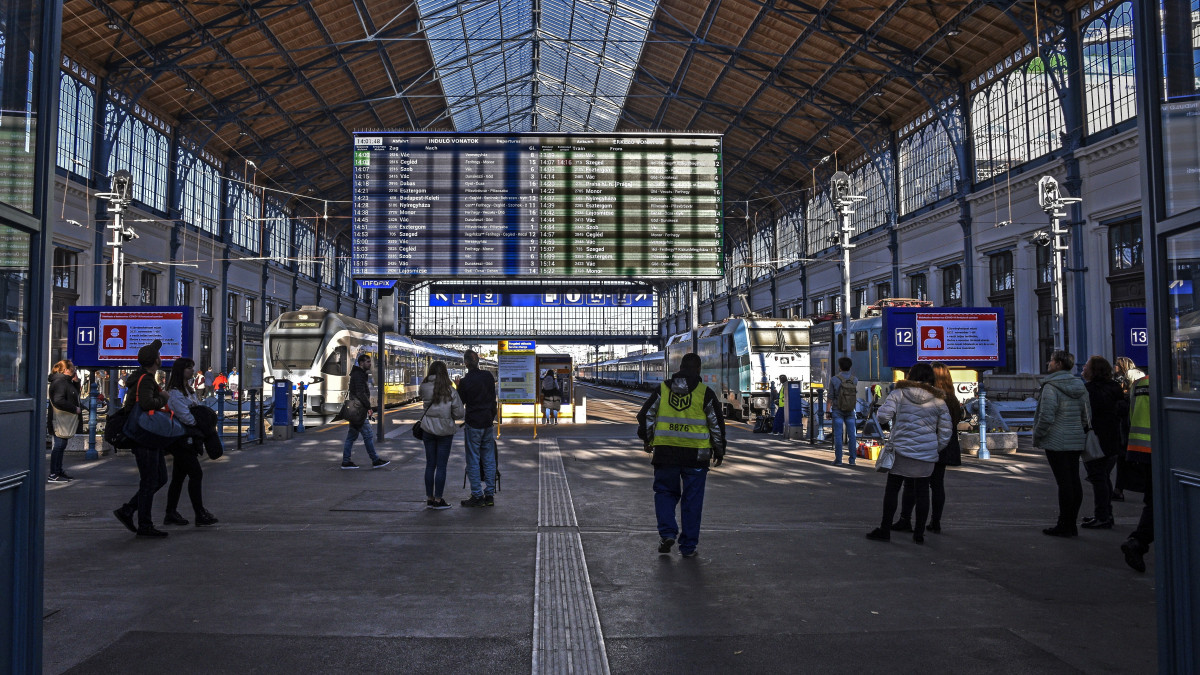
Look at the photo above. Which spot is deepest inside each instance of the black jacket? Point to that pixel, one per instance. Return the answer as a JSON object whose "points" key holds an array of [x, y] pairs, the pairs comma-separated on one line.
{"points": [[359, 389], [1109, 407], [670, 455], [64, 392], [148, 394], [478, 393]]}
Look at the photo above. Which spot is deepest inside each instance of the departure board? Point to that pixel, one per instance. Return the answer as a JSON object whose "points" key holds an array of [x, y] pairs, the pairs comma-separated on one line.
{"points": [[447, 205]]}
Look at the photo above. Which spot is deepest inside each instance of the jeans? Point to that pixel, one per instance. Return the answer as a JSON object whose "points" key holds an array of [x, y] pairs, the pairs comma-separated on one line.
{"points": [[368, 435], [152, 475], [1099, 474], [437, 454], [667, 494], [481, 449], [937, 486], [1065, 465], [56, 455], [185, 465], [844, 419], [891, 494]]}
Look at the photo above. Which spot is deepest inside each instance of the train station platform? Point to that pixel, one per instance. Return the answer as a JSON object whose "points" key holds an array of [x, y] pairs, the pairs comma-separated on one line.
{"points": [[313, 569]]}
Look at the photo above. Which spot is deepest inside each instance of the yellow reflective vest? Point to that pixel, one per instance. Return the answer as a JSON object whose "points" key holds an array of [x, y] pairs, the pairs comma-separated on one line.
{"points": [[1139, 421], [681, 419], [781, 388]]}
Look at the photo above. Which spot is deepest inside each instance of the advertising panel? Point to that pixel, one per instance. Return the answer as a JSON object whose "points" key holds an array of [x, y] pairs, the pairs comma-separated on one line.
{"points": [[517, 361]]}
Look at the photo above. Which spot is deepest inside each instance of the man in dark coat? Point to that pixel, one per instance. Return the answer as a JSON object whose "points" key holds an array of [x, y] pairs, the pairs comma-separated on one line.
{"points": [[682, 425], [151, 463], [478, 392], [361, 392]]}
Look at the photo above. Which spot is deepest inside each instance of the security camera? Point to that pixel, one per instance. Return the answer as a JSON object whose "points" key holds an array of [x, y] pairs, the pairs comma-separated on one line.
{"points": [[122, 185], [1048, 197], [841, 185]]}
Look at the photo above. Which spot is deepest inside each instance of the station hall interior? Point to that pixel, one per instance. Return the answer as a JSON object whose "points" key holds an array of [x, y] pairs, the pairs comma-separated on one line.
{"points": [[235, 125]]}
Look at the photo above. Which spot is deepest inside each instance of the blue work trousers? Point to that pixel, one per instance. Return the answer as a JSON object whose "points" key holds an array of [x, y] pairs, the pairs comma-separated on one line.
{"points": [[840, 420], [673, 484], [481, 450]]}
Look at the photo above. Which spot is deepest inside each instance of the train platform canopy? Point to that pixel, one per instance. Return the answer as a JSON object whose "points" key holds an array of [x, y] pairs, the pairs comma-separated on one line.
{"points": [[791, 85]]}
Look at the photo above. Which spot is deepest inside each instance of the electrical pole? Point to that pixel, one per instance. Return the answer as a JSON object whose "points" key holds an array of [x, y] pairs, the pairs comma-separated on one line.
{"points": [[1053, 204], [118, 200], [843, 201]]}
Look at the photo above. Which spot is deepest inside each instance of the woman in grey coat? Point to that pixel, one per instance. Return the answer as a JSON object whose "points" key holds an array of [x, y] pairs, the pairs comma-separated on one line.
{"points": [[443, 408], [1063, 414], [921, 427]]}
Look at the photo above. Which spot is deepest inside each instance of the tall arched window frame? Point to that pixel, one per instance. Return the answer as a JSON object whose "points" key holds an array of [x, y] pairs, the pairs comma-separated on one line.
{"points": [[328, 256], [277, 234], [200, 196], [1016, 113], [764, 240], [822, 223], [76, 118], [245, 205], [142, 147], [928, 163], [788, 230], [871, 178], [305, 247], [345, 283], [739, 257], [1110, 91]]}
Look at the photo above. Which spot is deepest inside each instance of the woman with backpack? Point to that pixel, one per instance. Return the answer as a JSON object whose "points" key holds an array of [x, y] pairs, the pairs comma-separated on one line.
{"points": [[181, 398], [920, 427], [843, 400], [443, 408]]}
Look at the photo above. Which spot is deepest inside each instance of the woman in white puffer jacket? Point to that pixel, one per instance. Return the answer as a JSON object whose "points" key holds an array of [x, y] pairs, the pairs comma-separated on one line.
{"points": [[443, 408], [920, 428]]}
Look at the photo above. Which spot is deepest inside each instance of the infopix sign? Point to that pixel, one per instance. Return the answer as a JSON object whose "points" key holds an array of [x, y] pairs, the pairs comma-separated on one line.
{"points": [[971, 337], [112, 336]]}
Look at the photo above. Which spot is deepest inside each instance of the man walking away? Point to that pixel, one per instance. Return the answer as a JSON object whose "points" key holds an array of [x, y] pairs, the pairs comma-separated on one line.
{"points": [[1137, 453], [362, 393], [478, 393], [843, 399], [682, 425]]}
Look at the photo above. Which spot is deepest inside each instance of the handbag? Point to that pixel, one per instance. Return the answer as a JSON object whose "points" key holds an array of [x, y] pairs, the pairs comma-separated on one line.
{"points": [[1091, 447], [887, 457], [353, 412], [417, 432], [152, 427], [65, 423], [114, 430]]}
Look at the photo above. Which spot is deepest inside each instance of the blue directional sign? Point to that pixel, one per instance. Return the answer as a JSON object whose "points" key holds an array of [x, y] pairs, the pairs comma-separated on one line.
{"points": [[442, 297], [376, 283], [1132, 334]]}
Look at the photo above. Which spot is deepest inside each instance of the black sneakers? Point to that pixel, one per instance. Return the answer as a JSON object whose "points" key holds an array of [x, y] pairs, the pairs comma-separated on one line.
{"points": [[1134, 554], [205, 519], [902, 525], [665, 544], [377, 463], [689, 554], [1061, 531], [879, 534], [126, 517], [489, 500], [57, 478], [1096, 524], [151, 531], [473, 502], [347, 464], [173, 518], [438, 504]]}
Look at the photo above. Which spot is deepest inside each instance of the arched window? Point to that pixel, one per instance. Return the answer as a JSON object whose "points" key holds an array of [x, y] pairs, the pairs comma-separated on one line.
{"points": [[200, 196], [870, 182], [305, 247], [276, 233], [822, 223], [245, 205], [928, 163], [1016, 114], [1108, 79], [142, 148]]}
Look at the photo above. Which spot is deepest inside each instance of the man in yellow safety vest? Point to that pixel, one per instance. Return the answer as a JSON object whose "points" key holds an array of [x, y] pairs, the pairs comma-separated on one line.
{"points": [[1137, 452], [682, 425]]}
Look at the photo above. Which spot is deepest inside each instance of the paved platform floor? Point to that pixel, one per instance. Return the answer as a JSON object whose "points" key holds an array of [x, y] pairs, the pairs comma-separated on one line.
{"points": [[318, 570]]}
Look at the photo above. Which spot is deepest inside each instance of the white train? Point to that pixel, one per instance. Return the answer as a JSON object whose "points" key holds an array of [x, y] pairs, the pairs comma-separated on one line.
{"points": [[314, 343]]}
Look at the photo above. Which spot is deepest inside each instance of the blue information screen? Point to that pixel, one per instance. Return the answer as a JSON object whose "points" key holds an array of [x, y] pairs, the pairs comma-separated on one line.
{"points": [[971, 337], [102, 336], [537, 205]]}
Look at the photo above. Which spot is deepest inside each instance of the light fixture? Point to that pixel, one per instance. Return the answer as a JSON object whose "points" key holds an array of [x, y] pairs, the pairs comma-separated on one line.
{"points": [[112, 25], [953, 32], [243, 132], [878, 93], [189, 89]]}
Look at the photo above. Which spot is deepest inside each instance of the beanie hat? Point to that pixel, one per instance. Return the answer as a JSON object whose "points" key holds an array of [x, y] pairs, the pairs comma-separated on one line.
{"points": [[148, 355]]}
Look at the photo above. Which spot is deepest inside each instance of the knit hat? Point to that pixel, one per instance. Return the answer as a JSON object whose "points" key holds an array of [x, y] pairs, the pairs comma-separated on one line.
{"points": [[148, 355]]}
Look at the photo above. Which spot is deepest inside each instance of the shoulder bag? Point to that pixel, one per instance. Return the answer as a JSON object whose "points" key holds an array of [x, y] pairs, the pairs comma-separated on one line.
{"points": [[417, 432], [354, 412], [887, 457], [1092, 450], [151, 427], [65, 423]]}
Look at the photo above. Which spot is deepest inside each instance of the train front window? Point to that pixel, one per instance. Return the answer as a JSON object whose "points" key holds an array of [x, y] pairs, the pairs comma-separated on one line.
{"points": [[795, 338], [293, 352], [764, 337]]}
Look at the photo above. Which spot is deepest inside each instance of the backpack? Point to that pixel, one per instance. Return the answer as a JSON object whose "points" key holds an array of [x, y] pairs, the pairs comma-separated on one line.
{"points": [[847, 396]]}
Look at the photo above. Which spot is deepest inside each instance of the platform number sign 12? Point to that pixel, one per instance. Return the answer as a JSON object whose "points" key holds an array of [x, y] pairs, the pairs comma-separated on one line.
{"points": [[904, 337], [1139, 337]]}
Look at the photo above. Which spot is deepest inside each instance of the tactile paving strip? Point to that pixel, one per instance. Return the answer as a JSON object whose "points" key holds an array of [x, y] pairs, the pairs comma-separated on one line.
{"points": [[566, 627]]}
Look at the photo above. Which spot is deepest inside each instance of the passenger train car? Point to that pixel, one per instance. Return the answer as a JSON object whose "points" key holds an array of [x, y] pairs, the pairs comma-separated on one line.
{"points": [[314, 343], [740, 358]]}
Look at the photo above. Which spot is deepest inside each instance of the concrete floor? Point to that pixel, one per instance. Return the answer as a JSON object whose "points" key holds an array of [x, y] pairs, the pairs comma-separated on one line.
{"points": [[318, 570]]}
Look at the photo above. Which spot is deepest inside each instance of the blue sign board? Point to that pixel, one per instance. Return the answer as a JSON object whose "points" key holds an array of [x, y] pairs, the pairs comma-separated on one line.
{"points": [[439, 297], [102, 336], [1132, 335], [376, 283], [518, 345], [971, 337]]}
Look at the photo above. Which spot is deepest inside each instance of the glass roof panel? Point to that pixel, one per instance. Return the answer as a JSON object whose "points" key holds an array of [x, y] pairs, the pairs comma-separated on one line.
{"points": [[586, 50]]}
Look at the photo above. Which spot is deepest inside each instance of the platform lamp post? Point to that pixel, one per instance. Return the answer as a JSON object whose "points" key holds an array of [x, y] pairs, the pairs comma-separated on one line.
{"points": [[1052, 202], [844, 202], [120, 197]]}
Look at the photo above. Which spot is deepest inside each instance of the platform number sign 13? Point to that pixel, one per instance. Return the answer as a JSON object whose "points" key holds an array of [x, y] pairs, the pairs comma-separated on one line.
{"points": [[1139, 337], [905, 337]]}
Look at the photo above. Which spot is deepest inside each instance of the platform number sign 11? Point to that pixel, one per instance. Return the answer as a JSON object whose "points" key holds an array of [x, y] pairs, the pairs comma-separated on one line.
{"points": [[905, 337], [1139, 337]]}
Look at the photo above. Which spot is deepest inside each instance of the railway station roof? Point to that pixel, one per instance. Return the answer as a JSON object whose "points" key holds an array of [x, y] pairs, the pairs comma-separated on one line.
{"points": [[790, 83]]}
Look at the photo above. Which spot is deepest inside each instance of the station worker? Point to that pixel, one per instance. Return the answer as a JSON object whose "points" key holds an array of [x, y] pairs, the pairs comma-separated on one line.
{"points": [[780, 397], [682, 425], [478, 392], [1138, 453]]}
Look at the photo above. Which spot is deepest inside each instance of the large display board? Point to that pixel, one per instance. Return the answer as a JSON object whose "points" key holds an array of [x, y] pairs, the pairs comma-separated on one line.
{"points": [[537, 205], [111, 336], [971, 337]]}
